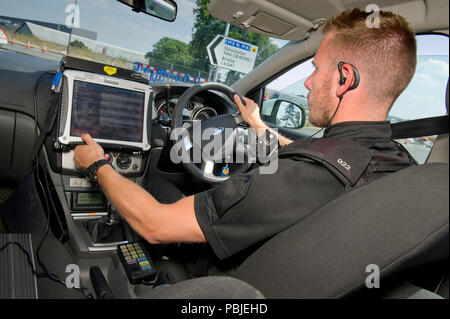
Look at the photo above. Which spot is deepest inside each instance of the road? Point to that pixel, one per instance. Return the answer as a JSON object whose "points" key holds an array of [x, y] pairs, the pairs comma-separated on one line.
{"points": [[28, 60]]}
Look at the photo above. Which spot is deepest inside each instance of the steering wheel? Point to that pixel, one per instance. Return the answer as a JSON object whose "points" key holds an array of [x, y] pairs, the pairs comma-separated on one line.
{"points": [[198, 137]]}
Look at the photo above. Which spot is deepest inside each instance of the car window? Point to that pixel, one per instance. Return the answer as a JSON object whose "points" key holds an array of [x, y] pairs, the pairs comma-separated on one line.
{"points": [[424, 97], [109, 32]]}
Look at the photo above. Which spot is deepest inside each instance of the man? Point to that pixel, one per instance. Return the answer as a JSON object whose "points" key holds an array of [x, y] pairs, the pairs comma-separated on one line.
{"points": [[359, 73]]}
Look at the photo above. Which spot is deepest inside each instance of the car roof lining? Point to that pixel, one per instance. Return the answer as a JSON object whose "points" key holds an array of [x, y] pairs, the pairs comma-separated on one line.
{"points": [[295, 20]]}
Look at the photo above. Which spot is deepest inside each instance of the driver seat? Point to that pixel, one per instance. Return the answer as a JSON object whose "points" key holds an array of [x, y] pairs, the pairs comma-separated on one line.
{"points": [[396, 223]]}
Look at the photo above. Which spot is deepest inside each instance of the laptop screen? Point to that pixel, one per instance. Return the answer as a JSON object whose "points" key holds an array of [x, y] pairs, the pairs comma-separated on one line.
{"points": [[107, 112]]}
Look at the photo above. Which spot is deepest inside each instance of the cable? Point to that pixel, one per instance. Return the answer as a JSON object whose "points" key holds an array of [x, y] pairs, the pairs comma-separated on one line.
{"points": [[36, 167], [329, 121], [85, 291], [26, 253], [46, 273]]}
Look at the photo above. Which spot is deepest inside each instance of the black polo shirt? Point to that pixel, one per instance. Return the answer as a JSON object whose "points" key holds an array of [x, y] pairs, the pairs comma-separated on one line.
{"points": [[250, 208]]}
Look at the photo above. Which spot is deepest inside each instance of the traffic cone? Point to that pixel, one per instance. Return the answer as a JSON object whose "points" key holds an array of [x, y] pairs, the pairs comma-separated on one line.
{"points": [[28, 44], [44, 49]]}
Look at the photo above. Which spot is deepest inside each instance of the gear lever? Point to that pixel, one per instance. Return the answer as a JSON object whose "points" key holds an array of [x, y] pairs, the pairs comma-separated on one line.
{"points": [[108, 228], [113, 217]]}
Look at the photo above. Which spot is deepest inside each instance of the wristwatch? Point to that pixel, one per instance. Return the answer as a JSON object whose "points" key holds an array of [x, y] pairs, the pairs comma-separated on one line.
{"points": [[91, 171]]}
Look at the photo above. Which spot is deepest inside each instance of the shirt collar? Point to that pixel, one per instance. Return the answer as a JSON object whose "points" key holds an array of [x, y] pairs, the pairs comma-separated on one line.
{"points": [[360, 130]]}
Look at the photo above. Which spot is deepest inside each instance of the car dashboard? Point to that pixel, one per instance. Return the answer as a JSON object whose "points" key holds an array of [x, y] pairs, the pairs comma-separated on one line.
{"points": [[199, 108], [78, 204]]}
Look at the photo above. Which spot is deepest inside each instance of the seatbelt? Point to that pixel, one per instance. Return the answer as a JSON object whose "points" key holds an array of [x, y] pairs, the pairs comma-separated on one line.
{"points": [[423, 127]]}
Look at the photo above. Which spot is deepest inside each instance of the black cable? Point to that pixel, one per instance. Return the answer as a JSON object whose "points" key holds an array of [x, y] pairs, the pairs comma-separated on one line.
{"points": [[331, 118], [36, 167], [26, 253], [46, 273], [85, 291]]}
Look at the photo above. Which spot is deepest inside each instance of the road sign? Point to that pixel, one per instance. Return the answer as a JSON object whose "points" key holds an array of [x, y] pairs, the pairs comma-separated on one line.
{"points": [[232, 54], [3, 38]]}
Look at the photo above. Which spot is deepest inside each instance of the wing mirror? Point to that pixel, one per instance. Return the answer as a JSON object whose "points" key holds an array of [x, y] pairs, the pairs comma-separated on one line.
{"points": [[286, 114], [163, 9]]}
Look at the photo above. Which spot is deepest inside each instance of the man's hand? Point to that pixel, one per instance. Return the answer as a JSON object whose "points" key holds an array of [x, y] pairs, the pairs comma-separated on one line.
{"points": [[86, 155], [250, 113]]}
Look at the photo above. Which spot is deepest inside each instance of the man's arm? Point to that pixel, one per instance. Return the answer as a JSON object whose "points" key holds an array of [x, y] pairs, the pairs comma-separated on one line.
{"points": [[156, 222], [251, 114]]}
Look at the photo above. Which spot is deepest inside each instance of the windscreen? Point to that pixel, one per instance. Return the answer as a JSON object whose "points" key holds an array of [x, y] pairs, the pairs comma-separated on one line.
{"points": [[107, 112]]}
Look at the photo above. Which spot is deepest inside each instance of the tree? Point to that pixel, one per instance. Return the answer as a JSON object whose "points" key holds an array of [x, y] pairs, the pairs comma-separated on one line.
{"points": [[206, 27], [291, 118], [170, 50], [78, 44]]}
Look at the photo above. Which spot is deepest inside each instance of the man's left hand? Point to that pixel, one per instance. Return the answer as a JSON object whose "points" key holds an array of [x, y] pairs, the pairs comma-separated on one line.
{"points": [[86, 155]]}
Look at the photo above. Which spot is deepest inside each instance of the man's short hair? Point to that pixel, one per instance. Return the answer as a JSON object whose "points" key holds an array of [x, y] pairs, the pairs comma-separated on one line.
{"points": [[385, 55]]}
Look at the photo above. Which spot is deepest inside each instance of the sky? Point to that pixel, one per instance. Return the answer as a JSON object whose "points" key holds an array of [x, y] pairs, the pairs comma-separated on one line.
{"points": [[114, 22]]}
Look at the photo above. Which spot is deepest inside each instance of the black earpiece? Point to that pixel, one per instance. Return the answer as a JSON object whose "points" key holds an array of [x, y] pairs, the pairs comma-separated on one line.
{"points": [[342, 79]]}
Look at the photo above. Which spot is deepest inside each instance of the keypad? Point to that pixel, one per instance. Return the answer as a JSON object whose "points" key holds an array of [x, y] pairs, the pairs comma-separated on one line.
{"points": [[135, 258]]}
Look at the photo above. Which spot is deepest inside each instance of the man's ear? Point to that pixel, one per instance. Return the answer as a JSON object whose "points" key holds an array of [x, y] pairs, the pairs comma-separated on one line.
{"points": [[348, 78]]}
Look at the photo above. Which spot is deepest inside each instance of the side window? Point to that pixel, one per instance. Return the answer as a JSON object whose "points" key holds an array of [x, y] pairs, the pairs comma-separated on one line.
{"points": [[424, 97], [289, 89]]}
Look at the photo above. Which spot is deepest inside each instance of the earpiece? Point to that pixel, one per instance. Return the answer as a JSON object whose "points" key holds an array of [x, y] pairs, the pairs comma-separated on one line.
{"points": [[342, 79]]}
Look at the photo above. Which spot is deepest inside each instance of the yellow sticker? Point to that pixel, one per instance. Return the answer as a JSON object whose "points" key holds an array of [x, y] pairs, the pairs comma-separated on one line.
{"points": [[110, 70]]}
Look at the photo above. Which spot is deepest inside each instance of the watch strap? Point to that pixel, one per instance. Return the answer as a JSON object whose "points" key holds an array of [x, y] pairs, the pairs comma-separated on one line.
{"points": [[91, 171]]}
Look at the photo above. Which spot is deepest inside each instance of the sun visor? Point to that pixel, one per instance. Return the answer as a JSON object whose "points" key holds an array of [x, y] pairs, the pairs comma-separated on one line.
{"points": [[270, 24], [263, 17]]}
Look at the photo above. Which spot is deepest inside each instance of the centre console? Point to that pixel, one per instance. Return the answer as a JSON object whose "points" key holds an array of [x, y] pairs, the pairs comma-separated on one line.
{"points": [[117, 114], [86, 227]]}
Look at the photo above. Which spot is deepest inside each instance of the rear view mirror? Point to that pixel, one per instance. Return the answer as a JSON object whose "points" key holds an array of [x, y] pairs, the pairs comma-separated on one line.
{"points": [[163, 9]]}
